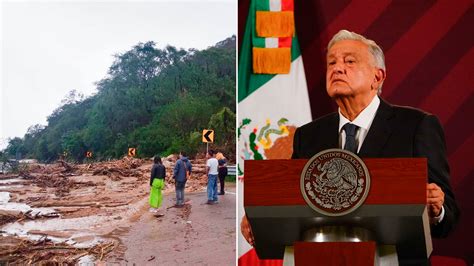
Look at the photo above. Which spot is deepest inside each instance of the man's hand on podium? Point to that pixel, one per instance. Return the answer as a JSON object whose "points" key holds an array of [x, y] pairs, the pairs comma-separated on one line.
{"points": [[435, 199], [247, 230]]}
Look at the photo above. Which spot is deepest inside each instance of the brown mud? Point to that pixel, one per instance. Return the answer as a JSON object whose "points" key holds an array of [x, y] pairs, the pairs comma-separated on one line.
{"points": [[98, 212]]}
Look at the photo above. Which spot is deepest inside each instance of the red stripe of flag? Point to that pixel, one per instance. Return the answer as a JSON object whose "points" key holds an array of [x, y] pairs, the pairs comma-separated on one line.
{"points": [[287, 5], [284, 42]]}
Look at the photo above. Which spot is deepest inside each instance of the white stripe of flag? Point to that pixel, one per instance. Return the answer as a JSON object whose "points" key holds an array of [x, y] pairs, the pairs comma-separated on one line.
{"points": [[275, 5]]}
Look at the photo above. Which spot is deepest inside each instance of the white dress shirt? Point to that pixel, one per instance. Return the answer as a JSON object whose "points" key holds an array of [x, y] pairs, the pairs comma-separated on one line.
{"points": [[363, 121]]}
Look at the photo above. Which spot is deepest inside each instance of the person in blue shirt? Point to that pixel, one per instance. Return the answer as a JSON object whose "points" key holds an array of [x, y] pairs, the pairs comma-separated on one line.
{"points": [[182, 171]]}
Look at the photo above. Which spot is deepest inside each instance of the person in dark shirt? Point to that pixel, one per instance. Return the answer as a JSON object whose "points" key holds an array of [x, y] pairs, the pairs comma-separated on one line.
{"points": [[222, 171], [157, 183]]}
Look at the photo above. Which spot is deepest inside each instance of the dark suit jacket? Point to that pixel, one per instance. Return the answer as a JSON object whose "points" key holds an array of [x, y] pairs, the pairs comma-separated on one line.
{"points": [[395, 132]]}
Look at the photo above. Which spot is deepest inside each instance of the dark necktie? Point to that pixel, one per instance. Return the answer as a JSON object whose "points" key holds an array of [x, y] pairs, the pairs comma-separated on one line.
{"points": [[351, 144]]}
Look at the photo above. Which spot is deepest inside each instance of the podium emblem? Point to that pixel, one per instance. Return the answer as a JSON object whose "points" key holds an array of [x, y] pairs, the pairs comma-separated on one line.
{"points": [[335, 182]]}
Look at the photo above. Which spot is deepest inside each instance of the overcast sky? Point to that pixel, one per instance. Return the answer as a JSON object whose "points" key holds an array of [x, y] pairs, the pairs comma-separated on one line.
{"points": [[49, 48]]}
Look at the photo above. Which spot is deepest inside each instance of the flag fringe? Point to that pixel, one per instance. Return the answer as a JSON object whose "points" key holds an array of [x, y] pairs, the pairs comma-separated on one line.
{"points": [[275, 24], [271, 60]]}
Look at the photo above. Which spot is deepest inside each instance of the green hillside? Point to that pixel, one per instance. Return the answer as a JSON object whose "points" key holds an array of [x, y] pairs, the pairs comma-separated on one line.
{"points": [[157, 100]]}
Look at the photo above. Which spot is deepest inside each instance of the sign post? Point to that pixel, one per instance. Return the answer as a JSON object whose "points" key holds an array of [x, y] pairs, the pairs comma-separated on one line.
{"points": [[207, 137]]}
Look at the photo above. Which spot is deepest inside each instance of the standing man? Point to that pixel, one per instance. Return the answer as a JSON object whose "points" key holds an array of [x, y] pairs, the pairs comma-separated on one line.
{"points": [[182, 170], [370, 127], [212, 172]]}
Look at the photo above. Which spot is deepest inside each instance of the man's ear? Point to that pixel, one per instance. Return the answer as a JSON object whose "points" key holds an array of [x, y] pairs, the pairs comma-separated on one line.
{"points": [[379, 78]]}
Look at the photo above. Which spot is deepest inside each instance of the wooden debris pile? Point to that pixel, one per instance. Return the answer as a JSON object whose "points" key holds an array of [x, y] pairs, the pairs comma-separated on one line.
{"points": [[117, 169], [29, 215], [57, 175], [61, 184], [45, 252], [7, 217], [16, 216], [61, 168]]}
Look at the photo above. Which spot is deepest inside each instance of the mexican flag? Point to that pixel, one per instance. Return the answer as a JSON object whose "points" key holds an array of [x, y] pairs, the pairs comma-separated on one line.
{"points": [[272, 94]]}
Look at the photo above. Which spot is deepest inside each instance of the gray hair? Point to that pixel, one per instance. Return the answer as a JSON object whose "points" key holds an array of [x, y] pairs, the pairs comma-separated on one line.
{"points": [[374, 49]]}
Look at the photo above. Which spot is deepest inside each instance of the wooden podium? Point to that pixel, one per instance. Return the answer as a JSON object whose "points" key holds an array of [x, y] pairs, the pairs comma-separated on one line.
{"points": [[394, 212]]}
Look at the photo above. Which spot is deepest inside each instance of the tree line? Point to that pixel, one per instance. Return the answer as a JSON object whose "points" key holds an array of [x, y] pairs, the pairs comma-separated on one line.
{"points": [[156, 100]]}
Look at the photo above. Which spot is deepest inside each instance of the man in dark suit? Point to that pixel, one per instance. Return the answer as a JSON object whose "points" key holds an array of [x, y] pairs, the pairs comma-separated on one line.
{"points": [[370, 127]]}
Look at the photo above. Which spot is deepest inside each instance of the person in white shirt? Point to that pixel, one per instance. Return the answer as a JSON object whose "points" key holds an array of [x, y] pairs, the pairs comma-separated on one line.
{"points": [[212, 172]]}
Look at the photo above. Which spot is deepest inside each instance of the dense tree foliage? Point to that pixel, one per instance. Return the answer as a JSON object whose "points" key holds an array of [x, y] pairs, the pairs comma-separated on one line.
{"points": [[157, 100]]}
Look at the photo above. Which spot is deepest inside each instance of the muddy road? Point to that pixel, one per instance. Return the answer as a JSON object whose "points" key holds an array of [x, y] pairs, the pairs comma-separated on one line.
{"points": [[197, 234], [99, 213]]}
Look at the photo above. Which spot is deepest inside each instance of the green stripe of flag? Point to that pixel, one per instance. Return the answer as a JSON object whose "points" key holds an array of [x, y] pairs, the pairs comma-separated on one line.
{"points": [[263, 5]]}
